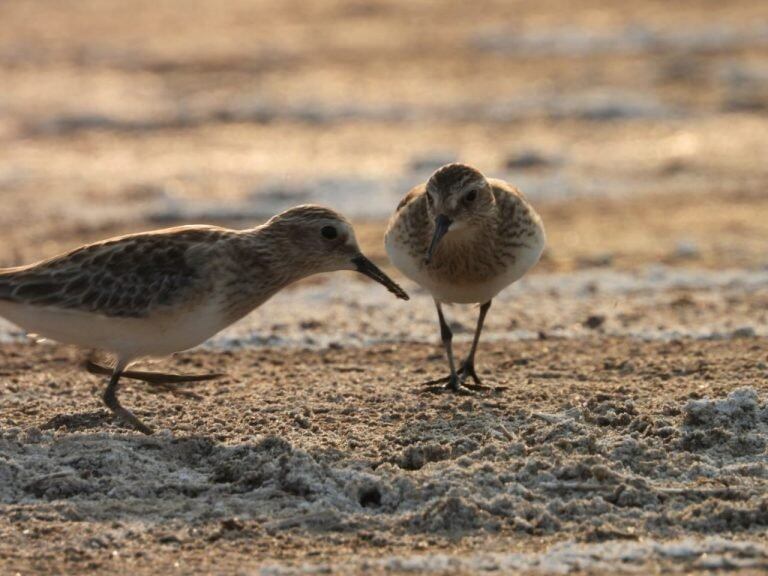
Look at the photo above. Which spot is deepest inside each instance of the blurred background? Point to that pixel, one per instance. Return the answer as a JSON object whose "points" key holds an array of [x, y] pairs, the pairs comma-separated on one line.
{"points": [[637, 128]]}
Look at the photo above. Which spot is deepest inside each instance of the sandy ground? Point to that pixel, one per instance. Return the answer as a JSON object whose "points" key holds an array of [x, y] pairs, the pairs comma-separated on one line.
{"points": [[627, 427], [338, 457]]}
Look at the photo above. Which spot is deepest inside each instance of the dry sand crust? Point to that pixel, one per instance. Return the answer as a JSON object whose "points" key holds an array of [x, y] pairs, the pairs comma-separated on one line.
{"points": [[335, 457]]}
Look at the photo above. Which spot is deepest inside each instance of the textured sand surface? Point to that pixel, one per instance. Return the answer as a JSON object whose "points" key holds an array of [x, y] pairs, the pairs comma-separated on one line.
{"points": [[336, 456]]}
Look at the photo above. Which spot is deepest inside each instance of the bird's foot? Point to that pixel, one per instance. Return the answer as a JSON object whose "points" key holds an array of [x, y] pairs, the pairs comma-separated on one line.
{"points": [[458, 383], [451, 383], [125, 416], [128, 418], [467, 370], [159, 381]]}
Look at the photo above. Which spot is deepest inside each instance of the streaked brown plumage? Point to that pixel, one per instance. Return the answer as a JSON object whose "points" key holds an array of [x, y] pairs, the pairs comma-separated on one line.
{"points": [[464, 238], [155, 293], [128, 276]]}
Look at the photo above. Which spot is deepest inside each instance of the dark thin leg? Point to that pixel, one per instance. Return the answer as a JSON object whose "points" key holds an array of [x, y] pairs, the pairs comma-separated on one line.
{"points": [[162, 382], [468, 366], [110, 399], [447, 337], [453, 382]]}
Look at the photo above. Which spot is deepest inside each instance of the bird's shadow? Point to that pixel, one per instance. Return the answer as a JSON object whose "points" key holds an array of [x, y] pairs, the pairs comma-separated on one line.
{"points": [[79, 421]]}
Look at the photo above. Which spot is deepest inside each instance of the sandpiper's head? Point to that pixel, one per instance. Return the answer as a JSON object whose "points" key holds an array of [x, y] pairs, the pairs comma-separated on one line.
{"points": [[458, 197], [322, 240]]}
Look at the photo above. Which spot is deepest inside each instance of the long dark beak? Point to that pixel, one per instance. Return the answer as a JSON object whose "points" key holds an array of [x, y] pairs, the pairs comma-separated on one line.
{"points": [[442, 224], [365, 266]]}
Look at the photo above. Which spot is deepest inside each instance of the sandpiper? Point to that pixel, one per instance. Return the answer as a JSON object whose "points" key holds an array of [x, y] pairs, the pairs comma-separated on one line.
{"points": [[155, 293], [464, 238]]}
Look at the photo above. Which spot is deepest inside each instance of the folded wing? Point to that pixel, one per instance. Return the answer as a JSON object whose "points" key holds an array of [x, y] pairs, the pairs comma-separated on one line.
{"points": [[124, 277]]}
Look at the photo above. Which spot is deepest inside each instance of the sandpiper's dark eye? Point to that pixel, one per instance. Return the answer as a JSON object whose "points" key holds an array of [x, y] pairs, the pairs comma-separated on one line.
{"points": [[471, 195], [329, 232]]}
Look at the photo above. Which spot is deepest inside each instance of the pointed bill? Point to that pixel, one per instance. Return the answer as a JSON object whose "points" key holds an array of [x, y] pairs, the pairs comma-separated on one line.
{"points": [[368, 268], [442, 224]]}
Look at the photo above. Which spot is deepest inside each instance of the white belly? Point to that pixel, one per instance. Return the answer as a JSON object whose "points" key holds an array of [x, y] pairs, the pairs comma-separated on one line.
{"points": [[461, 292], [129, 338]]}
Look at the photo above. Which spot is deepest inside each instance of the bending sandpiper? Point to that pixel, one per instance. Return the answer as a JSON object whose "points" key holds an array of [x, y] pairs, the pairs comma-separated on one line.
{"points": [[155, 293], [464, 238]]}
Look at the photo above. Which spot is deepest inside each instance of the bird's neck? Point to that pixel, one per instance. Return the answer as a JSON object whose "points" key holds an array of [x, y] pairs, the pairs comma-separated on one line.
{"points": [[260, 265]]}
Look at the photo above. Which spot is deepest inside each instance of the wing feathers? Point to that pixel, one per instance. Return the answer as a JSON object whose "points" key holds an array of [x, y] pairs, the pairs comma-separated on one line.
{"points": [[125, 276]]}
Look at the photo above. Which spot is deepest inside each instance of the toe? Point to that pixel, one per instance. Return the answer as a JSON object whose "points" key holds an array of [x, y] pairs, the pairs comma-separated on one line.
{"points": [[434, 381], [477, 387], [468, 372]]}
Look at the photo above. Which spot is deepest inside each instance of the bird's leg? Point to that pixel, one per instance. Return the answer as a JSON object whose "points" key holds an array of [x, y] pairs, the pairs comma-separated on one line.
{"points": [[447, 337], [467, 368], [453, 382], [110, 399], [162, 382]]}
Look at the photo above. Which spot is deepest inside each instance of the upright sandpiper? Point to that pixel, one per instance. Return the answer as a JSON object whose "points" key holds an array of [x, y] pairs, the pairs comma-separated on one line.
{"points": [[155, 293], [464, 238]]}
